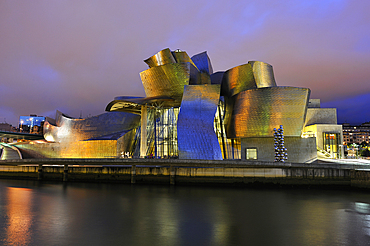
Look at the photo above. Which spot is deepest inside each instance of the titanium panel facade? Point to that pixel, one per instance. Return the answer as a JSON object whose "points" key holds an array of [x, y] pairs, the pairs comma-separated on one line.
{"points": [[238, 79], [167, 80], [182, 57], [111, 125], [263, 74], [195, 126], [161, 58], [257, 112], [203, 63]]}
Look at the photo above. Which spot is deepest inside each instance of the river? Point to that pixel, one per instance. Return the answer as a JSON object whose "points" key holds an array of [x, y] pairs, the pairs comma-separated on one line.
{"points": [[44, 213]]}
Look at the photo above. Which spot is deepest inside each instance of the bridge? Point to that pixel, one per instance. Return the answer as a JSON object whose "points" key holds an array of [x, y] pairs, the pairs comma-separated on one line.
{"points": [[20, 135], [9, 152]]}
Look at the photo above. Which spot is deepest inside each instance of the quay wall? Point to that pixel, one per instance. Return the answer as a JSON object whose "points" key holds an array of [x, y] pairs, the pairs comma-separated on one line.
{"points": [[178, 172]]}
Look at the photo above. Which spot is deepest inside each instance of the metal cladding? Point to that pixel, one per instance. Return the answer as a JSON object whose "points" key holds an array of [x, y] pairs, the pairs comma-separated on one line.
{"points": [[170, 71], [257, 112], [263, 74], [245, 98], [161, 58], [238, 79], [254, 74], [111, 125], [133, 104], [166, 80], [195, 130], [182, 57], [203, 63], [216, 78]]}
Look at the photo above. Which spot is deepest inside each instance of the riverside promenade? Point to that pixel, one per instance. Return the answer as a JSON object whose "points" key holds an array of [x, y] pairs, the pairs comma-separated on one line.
{"points": [[185, 172]]}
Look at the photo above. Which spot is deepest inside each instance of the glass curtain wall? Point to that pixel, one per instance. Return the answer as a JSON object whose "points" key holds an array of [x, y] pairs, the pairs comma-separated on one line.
{"points": [[331, 143], [161, 133], [230, 148]]}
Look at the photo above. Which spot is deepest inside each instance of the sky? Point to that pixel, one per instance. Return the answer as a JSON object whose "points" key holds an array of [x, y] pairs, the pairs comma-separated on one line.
{"points": [[76, 56]]}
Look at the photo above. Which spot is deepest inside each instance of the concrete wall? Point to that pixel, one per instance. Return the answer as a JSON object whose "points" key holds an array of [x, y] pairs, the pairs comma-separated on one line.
{"points": [[300, 150]]}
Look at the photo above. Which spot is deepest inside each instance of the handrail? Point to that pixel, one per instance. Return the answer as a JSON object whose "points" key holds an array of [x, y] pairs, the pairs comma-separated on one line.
{"points": [[5, 145]]}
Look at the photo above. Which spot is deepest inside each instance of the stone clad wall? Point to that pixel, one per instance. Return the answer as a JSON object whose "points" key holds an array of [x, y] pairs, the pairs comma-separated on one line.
{"points": [[321, 116], [300, 150], [248, 175]]}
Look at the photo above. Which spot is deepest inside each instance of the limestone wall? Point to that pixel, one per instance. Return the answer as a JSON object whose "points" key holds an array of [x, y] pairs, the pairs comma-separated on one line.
{"points": [[300, 150]]}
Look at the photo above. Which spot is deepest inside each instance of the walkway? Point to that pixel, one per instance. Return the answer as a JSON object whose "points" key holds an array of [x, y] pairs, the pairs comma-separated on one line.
{"points": [[9, 152]]}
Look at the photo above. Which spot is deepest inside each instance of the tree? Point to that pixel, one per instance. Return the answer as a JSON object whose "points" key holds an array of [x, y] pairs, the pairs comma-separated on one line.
{"points": [[365, 152], [364, 144]]}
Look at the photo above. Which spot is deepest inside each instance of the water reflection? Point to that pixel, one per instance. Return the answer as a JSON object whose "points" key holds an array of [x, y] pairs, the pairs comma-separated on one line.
{"points": [[19, 218], [113, 214]]}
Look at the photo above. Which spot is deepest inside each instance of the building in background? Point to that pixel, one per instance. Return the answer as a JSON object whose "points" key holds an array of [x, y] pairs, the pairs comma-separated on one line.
{"points": [[31, 124], [6, 127], [190, 112], [356, 133]]}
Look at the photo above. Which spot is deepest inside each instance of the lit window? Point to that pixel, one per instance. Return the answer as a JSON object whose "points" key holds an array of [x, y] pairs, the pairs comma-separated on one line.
{"points": [[251, 153]]}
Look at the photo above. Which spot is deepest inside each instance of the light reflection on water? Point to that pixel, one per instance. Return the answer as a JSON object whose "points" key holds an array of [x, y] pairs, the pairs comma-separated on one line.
{"points": [[34, 213]]}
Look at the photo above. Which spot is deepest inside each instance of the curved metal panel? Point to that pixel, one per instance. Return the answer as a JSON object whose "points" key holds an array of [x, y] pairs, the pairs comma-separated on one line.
{"points": [[263, 74], [216, 78], [195, 130], [203, 63], [107, 125], [167, 80], [161, 58], [238, 79], [257, 112], [182, 57]]}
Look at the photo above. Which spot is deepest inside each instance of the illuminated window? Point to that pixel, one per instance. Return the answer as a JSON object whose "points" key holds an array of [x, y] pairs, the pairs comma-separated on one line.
{"points": [[251, 153]]}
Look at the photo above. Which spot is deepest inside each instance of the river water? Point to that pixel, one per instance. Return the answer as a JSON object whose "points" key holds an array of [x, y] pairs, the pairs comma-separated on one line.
{"points": [[41, 213]]}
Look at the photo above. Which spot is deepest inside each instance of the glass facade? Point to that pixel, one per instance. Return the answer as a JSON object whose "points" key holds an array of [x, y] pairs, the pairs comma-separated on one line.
{"points": [[161, 133], [331, 143], [31, 121], [230, 147]]}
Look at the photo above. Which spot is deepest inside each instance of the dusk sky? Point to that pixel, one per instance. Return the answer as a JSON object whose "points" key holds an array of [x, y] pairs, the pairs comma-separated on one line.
{"points": [[76, 56]]}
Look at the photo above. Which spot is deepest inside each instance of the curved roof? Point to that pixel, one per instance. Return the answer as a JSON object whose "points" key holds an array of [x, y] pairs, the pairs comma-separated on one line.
{"points": [[133, 104]]}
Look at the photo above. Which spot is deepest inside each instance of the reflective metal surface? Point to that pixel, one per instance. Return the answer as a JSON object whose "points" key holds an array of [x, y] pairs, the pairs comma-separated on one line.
{"points": [[247, 100], [72, 149], [111, 125], [263, 74], [238, 79], [133, 104], [182, 57], [203, 63], [161, 58], [167, 80], [257, 112], [195, 125]]}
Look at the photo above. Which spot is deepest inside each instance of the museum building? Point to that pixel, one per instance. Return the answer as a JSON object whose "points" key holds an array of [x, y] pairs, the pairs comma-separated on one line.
{"points": [[190, 112]]}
